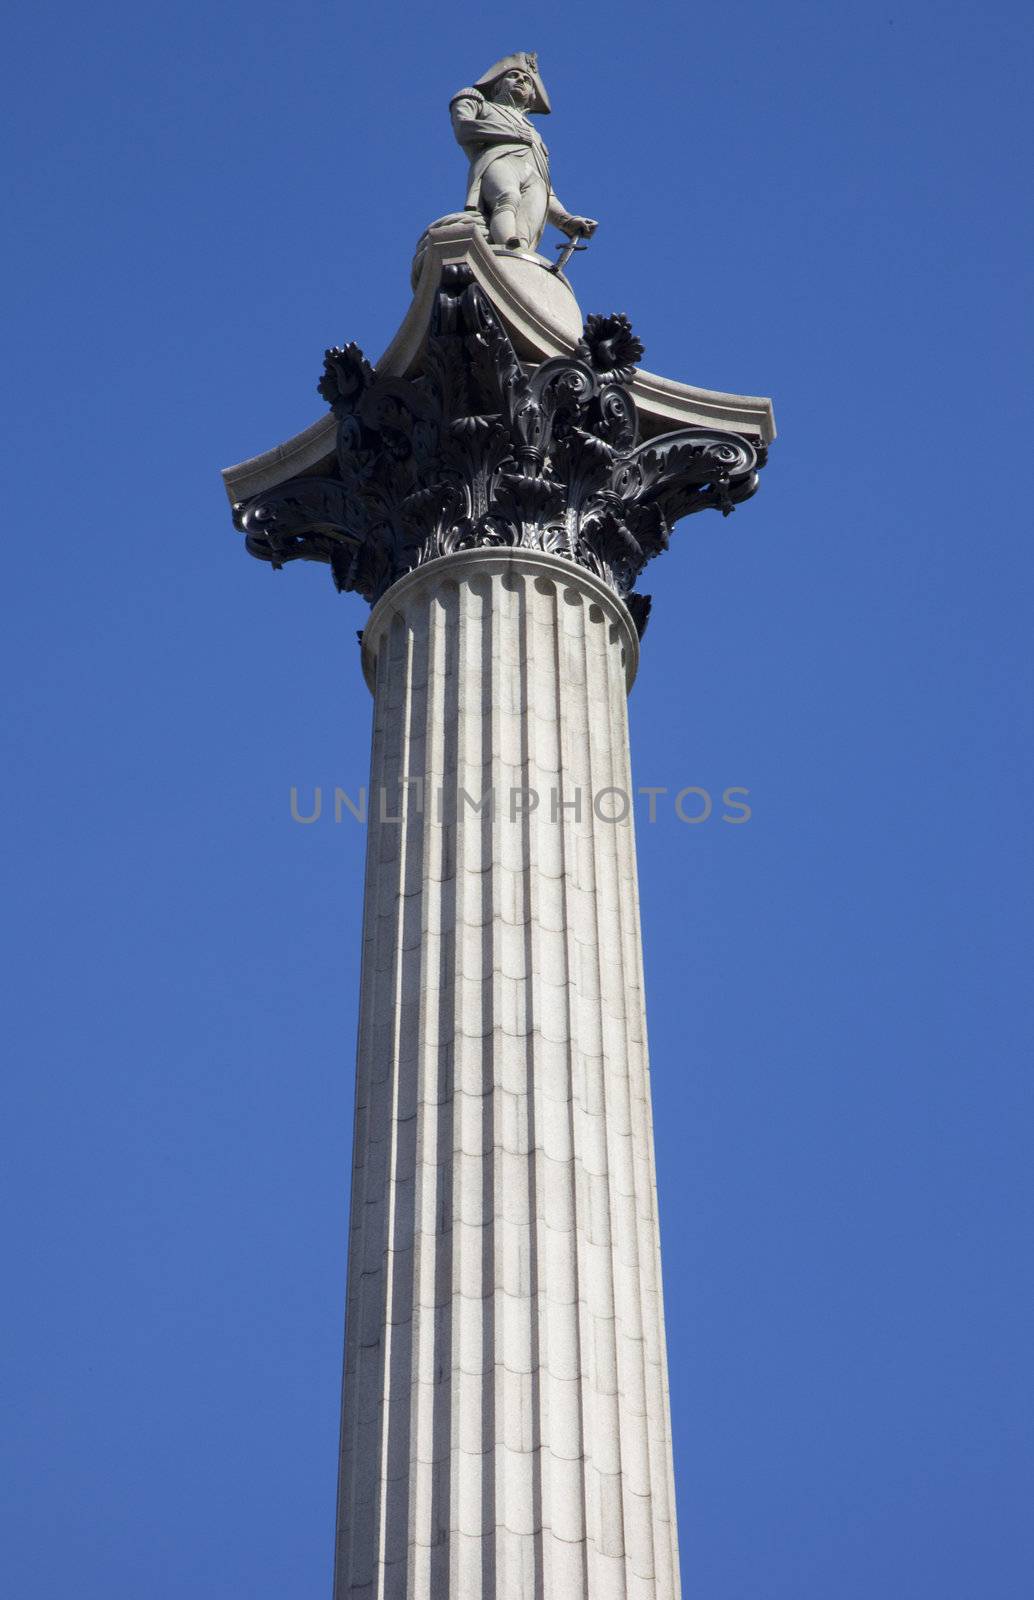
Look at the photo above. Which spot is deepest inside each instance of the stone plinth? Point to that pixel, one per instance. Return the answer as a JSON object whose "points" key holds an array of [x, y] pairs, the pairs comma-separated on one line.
{"points": [[542, 314], [505, 1421]]}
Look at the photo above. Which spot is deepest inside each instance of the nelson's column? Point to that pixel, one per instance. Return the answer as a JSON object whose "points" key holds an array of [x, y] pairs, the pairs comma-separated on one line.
{"points": [[493, 487]]}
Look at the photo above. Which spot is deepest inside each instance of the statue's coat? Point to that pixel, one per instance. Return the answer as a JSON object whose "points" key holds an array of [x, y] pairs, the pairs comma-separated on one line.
{"points": [[472, 117]]}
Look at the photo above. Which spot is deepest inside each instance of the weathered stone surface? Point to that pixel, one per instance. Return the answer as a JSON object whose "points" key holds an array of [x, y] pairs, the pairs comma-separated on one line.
{"points": [[505, 1415]]}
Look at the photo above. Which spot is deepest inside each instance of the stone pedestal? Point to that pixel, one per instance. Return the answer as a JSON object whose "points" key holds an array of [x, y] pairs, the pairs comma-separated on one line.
{"points": [[505, 1426]]}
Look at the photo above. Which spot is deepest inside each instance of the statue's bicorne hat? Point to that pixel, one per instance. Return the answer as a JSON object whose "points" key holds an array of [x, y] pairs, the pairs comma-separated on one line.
{"points": [[522, 61]]}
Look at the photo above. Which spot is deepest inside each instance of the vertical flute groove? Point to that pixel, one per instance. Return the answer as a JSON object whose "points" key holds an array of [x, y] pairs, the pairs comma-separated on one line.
{"points": [[394, 1414], [565, 1553], [613, 1499], [662, 1479], [531, 1431], [618, 989]]}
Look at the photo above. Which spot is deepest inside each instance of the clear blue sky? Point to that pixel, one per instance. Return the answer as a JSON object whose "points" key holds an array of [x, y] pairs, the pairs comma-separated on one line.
{"points": [[817, 201]]}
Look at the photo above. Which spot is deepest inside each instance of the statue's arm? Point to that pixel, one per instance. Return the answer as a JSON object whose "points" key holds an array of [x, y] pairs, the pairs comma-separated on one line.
{"points": [[556, 212], [575, 227]]}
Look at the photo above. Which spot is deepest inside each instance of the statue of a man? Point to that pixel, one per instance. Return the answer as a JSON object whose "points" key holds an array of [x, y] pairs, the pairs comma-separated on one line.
{"points": [[509, 164]]}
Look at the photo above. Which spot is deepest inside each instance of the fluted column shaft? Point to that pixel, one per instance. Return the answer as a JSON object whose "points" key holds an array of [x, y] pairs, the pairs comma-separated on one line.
{"points": [[505, 1430]]}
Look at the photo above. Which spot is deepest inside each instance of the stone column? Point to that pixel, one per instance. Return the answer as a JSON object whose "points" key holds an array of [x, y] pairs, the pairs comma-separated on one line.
{"points": [[505, 1427], [505, 1432]]}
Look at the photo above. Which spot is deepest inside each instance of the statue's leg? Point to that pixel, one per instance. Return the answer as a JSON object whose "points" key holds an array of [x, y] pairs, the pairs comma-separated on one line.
{"points": [[531, 218], [501, 197]]}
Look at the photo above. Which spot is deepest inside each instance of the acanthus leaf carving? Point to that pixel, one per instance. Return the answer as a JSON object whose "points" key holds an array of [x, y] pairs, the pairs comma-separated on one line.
{"points": [[480, 449]]}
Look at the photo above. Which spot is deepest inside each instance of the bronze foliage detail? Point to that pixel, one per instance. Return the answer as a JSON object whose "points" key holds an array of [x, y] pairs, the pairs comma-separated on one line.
{"points": [[481, 450]]}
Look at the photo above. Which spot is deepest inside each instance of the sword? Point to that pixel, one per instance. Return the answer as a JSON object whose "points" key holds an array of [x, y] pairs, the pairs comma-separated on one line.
{"points": [[566, 252]]}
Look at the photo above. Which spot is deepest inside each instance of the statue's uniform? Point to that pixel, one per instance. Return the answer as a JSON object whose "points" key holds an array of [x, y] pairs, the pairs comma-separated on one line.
{"points": [[508, 181]]}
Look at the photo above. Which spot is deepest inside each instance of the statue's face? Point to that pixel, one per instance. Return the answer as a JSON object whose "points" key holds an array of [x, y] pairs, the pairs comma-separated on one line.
{"points": [[515, 88]]}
